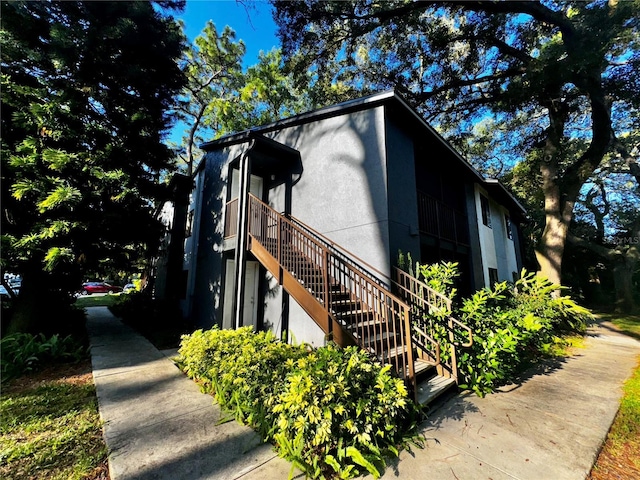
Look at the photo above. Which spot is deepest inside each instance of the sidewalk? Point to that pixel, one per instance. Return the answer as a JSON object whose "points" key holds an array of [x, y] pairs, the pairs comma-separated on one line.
{"points": [[157, 423], [548, 427]]}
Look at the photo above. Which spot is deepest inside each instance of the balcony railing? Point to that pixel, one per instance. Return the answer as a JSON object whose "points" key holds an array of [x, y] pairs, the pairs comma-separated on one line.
{"points": [[231, 219], [438, 219]]}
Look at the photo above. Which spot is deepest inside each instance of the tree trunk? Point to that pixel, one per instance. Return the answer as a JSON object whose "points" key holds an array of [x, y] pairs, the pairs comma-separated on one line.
{"points": [[551, 248], [30, 306], [558, 211], [623, 270]]}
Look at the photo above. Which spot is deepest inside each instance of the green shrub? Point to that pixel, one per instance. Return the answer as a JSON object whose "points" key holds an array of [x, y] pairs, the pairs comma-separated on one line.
{"points": [[440, 276], [333, 412], [511, 324], [23, 352]]}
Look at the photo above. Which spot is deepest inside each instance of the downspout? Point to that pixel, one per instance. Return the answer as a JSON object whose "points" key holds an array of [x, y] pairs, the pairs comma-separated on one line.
{"points": [[242, 236]]}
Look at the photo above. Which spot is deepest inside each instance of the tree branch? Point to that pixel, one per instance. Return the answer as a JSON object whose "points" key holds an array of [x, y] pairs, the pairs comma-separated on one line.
{"points": [[593, 247]]}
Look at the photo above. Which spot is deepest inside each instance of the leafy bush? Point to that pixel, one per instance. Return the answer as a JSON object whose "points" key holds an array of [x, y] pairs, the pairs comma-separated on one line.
{"points": [[23, 352], [511, 324], [333, 412], [441, 277]]}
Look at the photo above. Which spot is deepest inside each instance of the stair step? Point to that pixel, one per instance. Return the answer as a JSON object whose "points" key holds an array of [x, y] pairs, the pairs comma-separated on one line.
{"points": [[337, 295], [371, 323], [427, 392], [345, 305], [421, 366], [376, 340], [353, 317], [394, 352]]}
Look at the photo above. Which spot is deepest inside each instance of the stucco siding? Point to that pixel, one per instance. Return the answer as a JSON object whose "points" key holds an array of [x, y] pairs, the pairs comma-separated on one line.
{"points": [[342, 191], [402, 194], [206, 281], [485, 233]]}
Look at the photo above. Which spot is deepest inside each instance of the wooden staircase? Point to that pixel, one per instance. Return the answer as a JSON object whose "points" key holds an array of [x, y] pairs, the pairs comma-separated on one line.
{"points": [[349, 303]]}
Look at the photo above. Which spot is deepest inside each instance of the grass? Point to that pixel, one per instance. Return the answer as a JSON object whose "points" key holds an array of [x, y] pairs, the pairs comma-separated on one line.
{"points": [[50, 427], [620, 454], [97, 301]]}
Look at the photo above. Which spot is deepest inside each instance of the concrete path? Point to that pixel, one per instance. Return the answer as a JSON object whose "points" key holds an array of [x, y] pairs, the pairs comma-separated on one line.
{"points": [[157, 423], [550, 426]]}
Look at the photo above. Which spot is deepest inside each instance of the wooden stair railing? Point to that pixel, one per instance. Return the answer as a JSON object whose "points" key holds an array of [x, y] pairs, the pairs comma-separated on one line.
{"points": [[431, 310], [342, 298]]}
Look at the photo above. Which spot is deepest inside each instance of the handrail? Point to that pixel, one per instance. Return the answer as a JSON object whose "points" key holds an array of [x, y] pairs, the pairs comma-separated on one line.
{"points": [[231, 218], [425, 301], [378, 321], [404, 278], [354, 259], [464, 327]]}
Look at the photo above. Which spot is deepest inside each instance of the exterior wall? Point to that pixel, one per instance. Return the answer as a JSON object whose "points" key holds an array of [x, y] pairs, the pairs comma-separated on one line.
{"points": [[505, 247], [341, 193], [497, 250], [203, 257], [402, 194], [189, 263], [477, 265]]}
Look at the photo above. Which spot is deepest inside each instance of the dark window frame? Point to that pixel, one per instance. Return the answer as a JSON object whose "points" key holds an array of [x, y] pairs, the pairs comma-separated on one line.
{"points": [[493, 276], [508, 226], [486, 210], [188, 231]]}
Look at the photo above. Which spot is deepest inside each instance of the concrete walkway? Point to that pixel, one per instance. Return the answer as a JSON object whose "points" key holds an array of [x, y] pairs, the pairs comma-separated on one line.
{"points": [[550, 426], [157, 423]]}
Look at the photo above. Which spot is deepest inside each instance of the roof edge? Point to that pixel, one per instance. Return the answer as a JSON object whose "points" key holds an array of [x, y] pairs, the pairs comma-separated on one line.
{"points": [[324, 112]]}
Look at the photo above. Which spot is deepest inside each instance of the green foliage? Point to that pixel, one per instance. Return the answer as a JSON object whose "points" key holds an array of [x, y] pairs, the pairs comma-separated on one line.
{"points": [[220, 98], [334, 413], [511, 325], [440, 276], [23, 352], [97, 301], [504, 82], [86, 87]]}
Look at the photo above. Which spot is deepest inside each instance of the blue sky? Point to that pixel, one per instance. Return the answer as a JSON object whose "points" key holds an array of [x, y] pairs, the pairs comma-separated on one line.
{"points": [[253, 24]]}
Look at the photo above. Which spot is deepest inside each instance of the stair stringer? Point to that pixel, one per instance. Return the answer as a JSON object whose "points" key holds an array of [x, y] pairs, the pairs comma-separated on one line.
{"points": [[309, 303]]}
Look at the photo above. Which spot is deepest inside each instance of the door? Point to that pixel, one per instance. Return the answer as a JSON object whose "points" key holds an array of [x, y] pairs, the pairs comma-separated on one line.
{"points": [[251, 279], [255, 184]]}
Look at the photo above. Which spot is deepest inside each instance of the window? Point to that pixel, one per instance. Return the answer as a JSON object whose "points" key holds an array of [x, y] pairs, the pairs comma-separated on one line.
{"points": [[189, 227], [486, 212], [507, 223], [493, 276]]}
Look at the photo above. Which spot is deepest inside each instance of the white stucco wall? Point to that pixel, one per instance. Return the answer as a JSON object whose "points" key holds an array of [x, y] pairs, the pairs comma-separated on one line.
{"points": [[498, 251], [342, 192], [487, 243], [507, 263]]}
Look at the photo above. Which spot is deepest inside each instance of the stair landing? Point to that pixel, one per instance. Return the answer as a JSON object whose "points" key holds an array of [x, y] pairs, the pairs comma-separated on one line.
{"points": [[428, 391]]}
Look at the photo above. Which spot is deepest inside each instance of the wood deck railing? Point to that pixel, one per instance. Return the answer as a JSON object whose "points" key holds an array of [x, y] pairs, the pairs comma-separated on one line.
{"points": [[345, 294], [231, 219], [439, 219], [431, 321]]}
